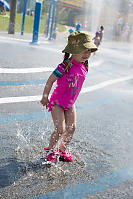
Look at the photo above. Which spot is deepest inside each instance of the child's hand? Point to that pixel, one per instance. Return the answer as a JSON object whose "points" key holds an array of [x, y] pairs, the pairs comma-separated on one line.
{"points": [[44, 101]]}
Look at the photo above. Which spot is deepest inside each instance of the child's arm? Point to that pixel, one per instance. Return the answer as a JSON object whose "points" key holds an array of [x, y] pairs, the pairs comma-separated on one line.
{"points": [[44, 101]]}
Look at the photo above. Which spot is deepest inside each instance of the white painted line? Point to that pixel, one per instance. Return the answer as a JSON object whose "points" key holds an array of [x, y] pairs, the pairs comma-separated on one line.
{"points": [[32, 70], [106, 83], [7, 100], [84, 90], [26, 70], [19, 39], [40, 46], [36, 70], [4, 39]]}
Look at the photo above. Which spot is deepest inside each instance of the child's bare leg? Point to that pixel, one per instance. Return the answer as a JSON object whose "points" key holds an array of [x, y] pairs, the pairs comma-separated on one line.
{"points": [[70, 120], [59, 125]]}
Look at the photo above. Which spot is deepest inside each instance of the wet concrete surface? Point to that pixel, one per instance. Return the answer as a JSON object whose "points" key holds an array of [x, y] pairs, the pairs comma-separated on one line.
{"points": [[103, 139]]}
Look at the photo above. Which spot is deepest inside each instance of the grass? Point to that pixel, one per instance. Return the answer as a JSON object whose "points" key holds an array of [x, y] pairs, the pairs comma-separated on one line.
{"points": [[29, 22]]}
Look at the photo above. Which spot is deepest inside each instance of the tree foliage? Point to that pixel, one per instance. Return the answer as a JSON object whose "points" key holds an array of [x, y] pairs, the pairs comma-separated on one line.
{"points": [[45, 6]]}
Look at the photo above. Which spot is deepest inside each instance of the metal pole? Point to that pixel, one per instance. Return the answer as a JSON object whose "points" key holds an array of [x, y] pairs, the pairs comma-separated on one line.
{"points": [[52, 23], [37, 18], [23, 20], [49, 16]]}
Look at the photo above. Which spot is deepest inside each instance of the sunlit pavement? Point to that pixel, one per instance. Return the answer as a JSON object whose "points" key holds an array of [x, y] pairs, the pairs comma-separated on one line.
{"points": [[102, 144]]}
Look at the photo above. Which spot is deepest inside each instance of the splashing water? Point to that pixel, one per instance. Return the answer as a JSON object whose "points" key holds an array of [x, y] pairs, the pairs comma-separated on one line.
{"points": [[113, 15], [96, 14], [26, 151]]}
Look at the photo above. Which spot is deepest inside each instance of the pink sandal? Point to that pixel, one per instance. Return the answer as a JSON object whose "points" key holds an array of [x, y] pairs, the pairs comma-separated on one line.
{"points": [[50, 155], [65, 156]]}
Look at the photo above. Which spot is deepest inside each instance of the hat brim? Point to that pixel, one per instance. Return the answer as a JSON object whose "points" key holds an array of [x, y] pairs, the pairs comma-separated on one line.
{"points": [[79, 49], [90, 46]]}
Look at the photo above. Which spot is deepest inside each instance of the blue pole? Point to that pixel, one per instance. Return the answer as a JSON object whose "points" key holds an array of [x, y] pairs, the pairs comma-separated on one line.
{"points": [[37, 18], [48, 22], [52, 23], [23, 20]]}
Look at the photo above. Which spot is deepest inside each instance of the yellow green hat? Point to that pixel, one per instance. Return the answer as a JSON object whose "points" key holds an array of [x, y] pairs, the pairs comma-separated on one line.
{"points": [[78, 42]]}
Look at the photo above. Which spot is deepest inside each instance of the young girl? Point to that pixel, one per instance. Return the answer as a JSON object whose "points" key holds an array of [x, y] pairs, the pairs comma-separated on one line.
{"points": [[70, 75], [97, 39], [101, 32]]}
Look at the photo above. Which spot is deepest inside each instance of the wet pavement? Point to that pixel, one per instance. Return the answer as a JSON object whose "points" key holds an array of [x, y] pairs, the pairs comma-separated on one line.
{"points": [[102, 143]]}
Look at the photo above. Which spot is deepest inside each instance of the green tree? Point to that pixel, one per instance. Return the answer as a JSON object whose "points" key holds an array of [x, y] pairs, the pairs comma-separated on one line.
{"points": [[45, 6]]}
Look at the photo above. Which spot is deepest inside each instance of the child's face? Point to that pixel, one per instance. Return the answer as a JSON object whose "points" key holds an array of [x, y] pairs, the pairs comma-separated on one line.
{"points": [[82, 57]]}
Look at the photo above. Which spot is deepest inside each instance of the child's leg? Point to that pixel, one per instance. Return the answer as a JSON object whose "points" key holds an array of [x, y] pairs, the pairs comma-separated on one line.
{"points": [[59, 124], [70, 121]]}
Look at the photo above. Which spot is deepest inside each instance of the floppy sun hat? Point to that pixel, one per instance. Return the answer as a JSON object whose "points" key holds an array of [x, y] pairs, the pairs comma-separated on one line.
{"points": [[78, 42]]}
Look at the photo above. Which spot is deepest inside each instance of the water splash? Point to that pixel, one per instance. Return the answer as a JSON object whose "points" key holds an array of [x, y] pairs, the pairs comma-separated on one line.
{"points": [[113, 15], [26, 150], [97, 8]]}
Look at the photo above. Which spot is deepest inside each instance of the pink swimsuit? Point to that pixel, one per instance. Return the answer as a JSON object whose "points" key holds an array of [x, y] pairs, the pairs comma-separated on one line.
{"points": [[69, 85]]}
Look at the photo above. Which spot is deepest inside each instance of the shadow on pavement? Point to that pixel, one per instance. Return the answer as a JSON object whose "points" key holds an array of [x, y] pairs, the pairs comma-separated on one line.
{"points": [[9, 173], [12, 170]]}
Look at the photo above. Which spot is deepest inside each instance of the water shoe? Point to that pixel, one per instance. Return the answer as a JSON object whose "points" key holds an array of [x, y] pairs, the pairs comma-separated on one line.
{"points": [[65, 156], [50, 155]]}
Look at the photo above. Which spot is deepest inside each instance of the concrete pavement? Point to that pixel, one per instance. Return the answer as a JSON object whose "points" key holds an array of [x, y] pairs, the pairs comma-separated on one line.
{"points": [[102, 144]]}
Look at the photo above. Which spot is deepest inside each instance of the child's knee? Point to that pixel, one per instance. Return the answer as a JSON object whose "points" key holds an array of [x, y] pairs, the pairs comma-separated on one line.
{"points": [[71, 128]]}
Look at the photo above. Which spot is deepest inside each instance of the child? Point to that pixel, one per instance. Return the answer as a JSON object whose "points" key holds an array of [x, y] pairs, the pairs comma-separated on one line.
{"points": [[78, 26], [70, 75], [101, 32], [97, 39]]}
